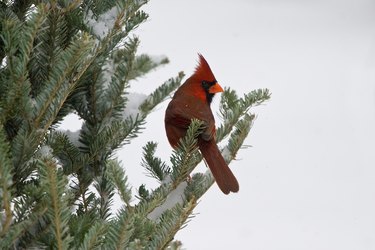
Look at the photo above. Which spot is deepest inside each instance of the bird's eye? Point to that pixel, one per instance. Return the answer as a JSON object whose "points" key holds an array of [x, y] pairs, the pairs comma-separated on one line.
{"points": [[206, 84]]}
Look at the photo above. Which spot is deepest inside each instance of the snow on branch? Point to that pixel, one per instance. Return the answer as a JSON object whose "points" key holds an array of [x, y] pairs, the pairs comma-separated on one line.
{"points": [[102, 24], [177, 196]]}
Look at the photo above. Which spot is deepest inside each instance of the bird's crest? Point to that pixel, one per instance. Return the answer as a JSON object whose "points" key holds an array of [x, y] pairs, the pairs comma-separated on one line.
{"points": [[203, 70]]}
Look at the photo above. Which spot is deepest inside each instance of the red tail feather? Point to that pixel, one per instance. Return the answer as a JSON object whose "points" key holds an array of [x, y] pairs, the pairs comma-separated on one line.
{"points": [[224, 177]]}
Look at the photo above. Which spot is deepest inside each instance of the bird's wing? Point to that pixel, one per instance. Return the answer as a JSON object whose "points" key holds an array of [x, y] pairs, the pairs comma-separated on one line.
{"points": [[179, 114], [175, 117]]}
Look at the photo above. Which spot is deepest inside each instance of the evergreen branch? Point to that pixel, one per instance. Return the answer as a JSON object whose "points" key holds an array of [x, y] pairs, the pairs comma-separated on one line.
{"points": [[24, 145], [20, 7], [97, 146], [117, 175], [233, 108], [186, 157], [238, 136], [134, 125], [129, 228], [161, 93], [141, 232], [114, 22], [30, 222], [105, 189], [71, 6], [12, 237], [154, 165], [120, 132], [18, 39], [173, 197], [133, 15], [127, 18], [115, 91], [143, 193], [116, 72], [80, 224], [255, 98], [120, 231], [170, 222], [102, 143], [51, 39], [58, 88], [202, 182], [57, 221], [66, 151], [118, 18], [58, 211], [5, 184], [50, 101], [145, 63], [29, 232], [95, 237], [146, 207], [230, 111], [30, 30], [136, 66], [24, 204]]}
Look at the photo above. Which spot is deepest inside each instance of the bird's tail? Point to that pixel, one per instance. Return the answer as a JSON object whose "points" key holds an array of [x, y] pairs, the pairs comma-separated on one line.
{"points": [[224, 177]]}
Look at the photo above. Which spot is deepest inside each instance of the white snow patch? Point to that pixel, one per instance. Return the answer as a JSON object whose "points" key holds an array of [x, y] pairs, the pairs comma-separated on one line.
{"points": [[4, 62], [108, 71], [133, 103], [33, 102], [227, 155], [104, 23], [45, 151], [167, 180], [71, 121], [177, 196]]}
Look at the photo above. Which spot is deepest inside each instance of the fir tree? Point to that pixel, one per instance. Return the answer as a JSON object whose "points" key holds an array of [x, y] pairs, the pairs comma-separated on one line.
{"points": [[63, 57]]}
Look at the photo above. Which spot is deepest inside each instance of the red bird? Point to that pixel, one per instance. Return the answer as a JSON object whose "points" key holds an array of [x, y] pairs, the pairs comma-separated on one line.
{"points": [[192, 100]]}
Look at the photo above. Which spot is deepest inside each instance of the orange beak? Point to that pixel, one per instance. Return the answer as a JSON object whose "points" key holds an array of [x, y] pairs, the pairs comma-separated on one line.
{"points": [[216, 88]]}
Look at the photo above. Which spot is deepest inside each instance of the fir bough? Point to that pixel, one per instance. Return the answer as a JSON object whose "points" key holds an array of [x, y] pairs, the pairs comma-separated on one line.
{"points": [[57, 187]]}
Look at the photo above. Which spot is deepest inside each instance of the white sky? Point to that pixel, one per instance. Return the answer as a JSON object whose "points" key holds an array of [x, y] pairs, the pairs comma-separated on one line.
{"points": [[308, 181]]}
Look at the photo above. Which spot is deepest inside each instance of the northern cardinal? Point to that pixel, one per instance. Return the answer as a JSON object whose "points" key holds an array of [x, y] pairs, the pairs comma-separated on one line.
{"points": [[192, 100]]}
